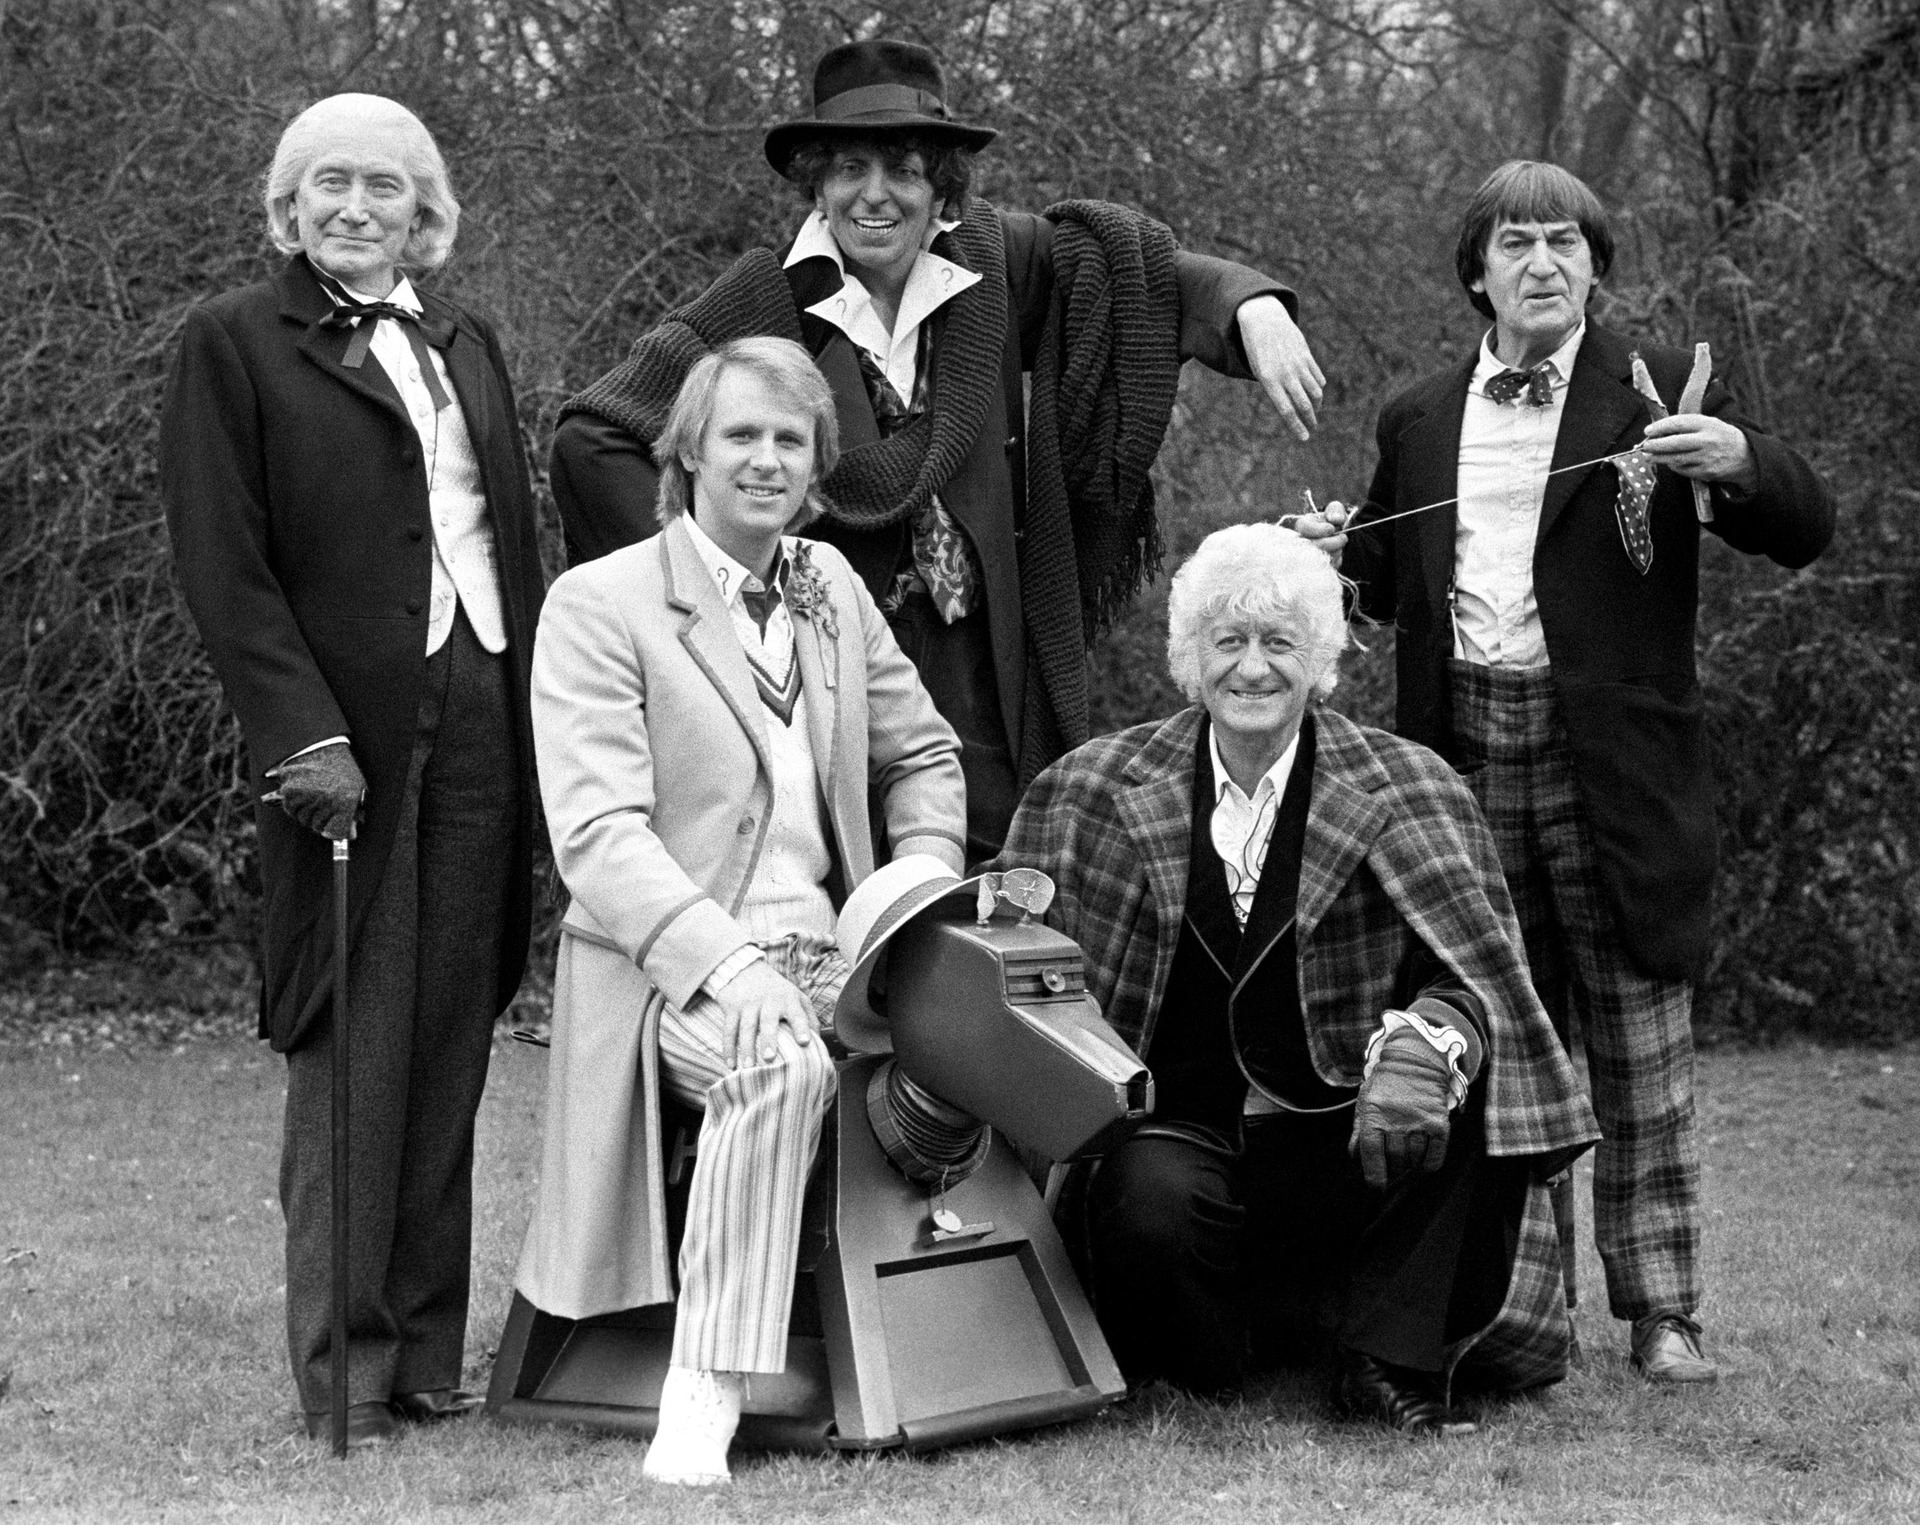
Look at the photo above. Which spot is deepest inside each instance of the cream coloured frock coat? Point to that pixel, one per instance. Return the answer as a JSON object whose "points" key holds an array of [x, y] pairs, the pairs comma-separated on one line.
{"points": [[651, 744]]}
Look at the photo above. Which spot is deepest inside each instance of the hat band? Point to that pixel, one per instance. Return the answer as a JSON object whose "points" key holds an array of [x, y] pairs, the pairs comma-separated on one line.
{"points": [[869, 98], [909, 904]]}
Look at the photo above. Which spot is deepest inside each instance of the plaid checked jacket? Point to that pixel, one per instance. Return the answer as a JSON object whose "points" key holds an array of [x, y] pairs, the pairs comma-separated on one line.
{"points": [[1396, 850]]}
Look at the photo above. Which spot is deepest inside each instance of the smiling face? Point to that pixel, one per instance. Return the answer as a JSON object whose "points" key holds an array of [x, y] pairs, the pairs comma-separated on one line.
{"points": [[755, 464], [878, 215], [356, 206], [1538, 276], [1254, 678]]}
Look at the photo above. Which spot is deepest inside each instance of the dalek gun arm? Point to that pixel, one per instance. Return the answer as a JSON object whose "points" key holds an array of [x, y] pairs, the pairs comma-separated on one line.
{"points": [[991, 1014]]}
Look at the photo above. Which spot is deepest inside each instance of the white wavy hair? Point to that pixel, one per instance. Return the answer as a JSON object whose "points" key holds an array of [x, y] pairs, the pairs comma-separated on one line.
{"points": [[311, 133], [1260, 571]]}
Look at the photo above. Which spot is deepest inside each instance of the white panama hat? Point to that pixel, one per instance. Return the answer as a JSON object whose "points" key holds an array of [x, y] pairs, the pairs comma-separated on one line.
{"points": [[881, 904]]}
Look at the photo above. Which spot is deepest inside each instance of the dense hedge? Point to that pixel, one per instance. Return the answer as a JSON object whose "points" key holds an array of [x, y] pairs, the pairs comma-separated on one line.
{"points": [[607, 153]]}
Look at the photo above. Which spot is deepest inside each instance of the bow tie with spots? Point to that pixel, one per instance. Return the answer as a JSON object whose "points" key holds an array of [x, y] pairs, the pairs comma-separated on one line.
{"points": [[1536, 383]]}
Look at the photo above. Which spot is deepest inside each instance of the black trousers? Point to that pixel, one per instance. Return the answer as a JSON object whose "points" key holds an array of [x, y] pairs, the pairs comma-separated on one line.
{"points": [[1204, 1251], [955, 663], [422, 1002]]}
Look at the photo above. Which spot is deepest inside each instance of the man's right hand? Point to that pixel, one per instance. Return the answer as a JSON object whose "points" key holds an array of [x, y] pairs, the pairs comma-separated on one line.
{"points": [[321, 790], [1326, 527], [755, 1002]]}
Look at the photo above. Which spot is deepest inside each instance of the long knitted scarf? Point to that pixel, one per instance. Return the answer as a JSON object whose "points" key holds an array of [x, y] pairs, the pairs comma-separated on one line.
{"points": [[1103, 389], [874, 484]]}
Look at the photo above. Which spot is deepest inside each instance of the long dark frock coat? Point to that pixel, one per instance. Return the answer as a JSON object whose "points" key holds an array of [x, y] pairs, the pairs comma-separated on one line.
{"points": [[297, 500]]}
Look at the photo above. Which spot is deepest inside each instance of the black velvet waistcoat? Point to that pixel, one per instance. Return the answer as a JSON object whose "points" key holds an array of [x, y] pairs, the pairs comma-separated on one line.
{"points": [[1233, 987]]}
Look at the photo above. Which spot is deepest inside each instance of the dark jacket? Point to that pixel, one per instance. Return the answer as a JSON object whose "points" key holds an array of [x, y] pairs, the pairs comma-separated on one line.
{"points": [[603, 479], [1621, 644], [297, 502]]}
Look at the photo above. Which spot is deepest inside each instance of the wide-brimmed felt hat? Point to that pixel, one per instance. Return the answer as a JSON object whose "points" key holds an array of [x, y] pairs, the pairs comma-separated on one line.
{"points": [[875, 86]]}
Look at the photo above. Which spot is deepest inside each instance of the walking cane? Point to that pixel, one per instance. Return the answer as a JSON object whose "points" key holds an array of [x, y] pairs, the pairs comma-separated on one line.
{"points": [[339, 1175]]}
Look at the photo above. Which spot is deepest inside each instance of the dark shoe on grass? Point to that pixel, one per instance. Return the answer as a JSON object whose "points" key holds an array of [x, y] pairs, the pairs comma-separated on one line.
{"points": [[368, 1424], [1407, 1401], [1666, 1350], [436, 1403]]}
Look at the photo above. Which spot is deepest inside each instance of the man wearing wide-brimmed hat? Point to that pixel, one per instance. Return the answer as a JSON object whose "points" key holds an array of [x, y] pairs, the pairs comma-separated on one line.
{"points": [[994, 541]]}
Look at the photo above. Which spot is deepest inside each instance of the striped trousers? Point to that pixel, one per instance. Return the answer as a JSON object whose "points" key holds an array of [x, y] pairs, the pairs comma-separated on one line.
{"points": [[1638, 1032], [758, 1139]]}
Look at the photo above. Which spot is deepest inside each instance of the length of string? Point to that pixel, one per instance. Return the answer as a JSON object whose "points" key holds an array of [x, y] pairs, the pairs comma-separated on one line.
{"points": [[1598, 460]]}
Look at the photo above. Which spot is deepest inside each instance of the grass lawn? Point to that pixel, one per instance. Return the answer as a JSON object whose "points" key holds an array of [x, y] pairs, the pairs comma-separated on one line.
{"points": [[143, 1372]]}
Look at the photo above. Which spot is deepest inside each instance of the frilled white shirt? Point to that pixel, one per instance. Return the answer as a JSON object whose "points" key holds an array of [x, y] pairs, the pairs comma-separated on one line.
{"points": [[931, 284], [1506, 451], [1242, 824]]}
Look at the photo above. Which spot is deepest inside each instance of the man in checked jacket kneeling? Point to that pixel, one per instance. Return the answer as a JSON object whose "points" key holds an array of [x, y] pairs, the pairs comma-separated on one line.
{"points": [[1301, 923]]}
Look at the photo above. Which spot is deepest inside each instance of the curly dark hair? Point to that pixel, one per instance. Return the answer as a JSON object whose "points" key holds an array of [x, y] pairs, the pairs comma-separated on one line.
{"points": [[948, 165]]}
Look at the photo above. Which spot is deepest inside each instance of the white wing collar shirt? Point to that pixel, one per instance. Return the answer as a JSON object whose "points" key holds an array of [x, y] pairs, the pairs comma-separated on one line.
{"points": [[1506, 451], [931, 284], [465, 562]]}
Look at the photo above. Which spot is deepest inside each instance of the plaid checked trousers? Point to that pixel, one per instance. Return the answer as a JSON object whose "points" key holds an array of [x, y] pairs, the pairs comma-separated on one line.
{"points": [[757, 1144], [1638, 1031]]}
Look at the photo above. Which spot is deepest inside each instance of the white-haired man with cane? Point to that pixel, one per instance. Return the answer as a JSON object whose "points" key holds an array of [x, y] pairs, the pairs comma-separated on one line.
{"points": [[348, 500]]}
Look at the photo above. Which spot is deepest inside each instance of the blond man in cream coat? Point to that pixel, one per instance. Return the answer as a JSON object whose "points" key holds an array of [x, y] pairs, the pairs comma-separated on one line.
{"points": [[661, 757]]}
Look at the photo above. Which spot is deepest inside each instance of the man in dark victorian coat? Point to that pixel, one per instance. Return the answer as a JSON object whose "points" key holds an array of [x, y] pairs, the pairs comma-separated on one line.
{"points": [[1301, 924], [994, 541], [1544, 618], [347, 494]]}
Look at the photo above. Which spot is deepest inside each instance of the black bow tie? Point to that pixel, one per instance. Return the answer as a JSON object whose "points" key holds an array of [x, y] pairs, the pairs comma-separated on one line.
{"points": [[438, 334], [1536, 383], [349, 311]]}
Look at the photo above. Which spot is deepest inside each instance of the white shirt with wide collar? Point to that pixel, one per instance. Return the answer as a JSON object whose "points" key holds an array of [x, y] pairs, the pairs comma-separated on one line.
{"points": [[1242, 824], [1506, 452], [931, 284], [466, 569], [787, 893]]}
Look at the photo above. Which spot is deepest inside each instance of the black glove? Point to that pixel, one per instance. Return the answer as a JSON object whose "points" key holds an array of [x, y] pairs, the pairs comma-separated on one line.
{"points": [[1400, 1121], [321, 790]]}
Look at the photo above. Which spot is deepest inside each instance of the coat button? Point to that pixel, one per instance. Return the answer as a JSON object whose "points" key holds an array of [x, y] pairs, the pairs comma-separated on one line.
{"points": [[746, 825], [414, 532], [413, 606]]}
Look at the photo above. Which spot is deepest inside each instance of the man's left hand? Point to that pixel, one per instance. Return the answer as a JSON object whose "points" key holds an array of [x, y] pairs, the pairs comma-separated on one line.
{"points": [[1325, 527], [1702, 448], [1400, 1121], [1278, 355]]}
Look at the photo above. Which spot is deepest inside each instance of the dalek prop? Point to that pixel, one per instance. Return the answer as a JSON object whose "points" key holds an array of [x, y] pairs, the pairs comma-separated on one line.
{"points": [[935, 1302]]}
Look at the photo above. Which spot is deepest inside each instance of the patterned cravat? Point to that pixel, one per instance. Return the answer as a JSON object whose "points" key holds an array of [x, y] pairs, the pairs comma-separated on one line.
{"points": [[1536, 383], [942, 556]]}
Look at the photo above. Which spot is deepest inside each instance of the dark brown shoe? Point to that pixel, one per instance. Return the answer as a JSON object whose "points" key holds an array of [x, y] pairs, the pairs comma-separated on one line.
{"points": [[436, 1403], [1666, 1349], [1407, 1401], [368, 1424]]}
